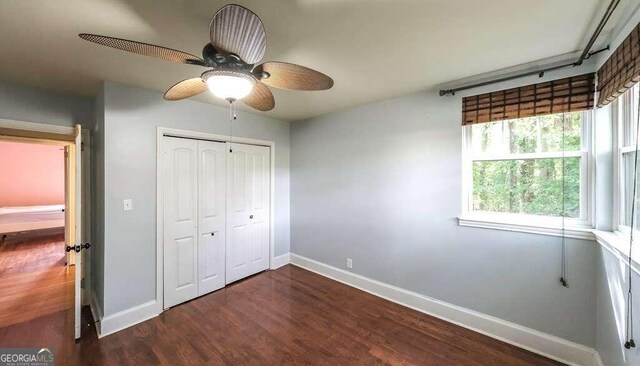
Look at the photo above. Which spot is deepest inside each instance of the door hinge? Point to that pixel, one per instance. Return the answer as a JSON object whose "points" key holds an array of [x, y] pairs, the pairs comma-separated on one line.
{"points": [[82, 282], [66, 154], [82, 146]]}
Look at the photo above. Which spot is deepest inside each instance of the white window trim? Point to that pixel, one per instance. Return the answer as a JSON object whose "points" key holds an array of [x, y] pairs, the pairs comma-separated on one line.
{"points": [[543, 225], [526, 224], [617, 243]]}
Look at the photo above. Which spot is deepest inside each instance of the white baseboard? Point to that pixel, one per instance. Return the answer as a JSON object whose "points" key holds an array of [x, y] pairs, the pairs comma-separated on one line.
{"points": [[530, 339], [126, 318], [280, 261], [96, 311], [598, 361]]}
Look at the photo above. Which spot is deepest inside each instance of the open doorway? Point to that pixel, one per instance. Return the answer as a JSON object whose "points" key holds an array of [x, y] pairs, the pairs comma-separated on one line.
{"points": [[35, 268], [40, 226]]}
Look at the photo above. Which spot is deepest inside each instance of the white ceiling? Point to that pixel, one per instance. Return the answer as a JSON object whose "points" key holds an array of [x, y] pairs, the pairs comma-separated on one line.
{"points": [[373, 49]]}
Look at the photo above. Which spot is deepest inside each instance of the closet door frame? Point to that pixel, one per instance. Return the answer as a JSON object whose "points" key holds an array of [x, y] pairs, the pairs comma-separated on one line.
{"points": [[165, 131]]}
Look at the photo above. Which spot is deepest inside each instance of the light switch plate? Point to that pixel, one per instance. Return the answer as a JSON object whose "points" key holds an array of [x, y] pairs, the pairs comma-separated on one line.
{"points": [[127, 204]]}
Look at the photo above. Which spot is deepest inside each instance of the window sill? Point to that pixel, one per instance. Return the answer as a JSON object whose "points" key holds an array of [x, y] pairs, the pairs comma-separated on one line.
{"points": [[618, 244], [526, 226]]}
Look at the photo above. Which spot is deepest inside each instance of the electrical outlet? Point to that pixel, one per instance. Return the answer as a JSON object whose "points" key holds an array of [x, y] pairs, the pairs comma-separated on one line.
{"points": [[349, 263]]}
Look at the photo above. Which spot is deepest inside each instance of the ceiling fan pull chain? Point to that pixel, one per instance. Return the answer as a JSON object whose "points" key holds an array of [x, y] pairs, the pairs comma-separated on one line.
{"points": [[235, 117], [232, 116]]}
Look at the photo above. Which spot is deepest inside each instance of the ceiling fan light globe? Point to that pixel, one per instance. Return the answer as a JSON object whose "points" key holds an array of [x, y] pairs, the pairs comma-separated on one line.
{"points": [[229, 87]]}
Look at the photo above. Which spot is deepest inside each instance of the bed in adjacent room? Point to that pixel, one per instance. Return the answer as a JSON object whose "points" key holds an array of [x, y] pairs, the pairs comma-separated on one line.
{"points": [[28, 218]]}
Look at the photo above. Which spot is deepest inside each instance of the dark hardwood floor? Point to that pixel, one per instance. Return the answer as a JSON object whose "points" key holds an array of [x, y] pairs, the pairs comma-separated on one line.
{"points": [[34, 280], [287, 316]]}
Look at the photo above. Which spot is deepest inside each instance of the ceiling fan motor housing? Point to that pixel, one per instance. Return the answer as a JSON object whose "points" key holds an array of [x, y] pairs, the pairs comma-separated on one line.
{"points": [[224, 60]]}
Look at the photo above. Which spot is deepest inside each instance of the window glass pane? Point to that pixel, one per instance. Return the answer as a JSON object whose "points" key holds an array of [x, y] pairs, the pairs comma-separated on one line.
{"points": [[523, 135], [487, 138], [551, 132], [628, 112], [627, 164], [532, 186], [529, 135]]}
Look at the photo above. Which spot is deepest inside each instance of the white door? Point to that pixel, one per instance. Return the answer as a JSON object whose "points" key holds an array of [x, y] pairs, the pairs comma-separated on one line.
{"points": [[77, 222], [248, 182], [85, 151], [194, 198], [211, 215], [180, 194]]}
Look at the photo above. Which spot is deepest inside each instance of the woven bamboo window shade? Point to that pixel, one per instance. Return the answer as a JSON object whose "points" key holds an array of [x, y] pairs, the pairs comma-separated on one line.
{"points": [[621, 71], [570, 94]]}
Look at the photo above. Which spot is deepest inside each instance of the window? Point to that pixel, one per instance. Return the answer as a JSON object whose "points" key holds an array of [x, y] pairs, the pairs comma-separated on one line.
{"points": [[625, 110], [624, 114], [514, 170]]}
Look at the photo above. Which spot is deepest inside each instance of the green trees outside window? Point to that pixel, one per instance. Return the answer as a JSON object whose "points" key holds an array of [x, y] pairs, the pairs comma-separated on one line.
{"points": [[519, 165]]}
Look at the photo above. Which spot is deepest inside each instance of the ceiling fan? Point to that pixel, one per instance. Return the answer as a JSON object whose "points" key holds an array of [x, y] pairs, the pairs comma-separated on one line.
{"points": [[238, 43]]}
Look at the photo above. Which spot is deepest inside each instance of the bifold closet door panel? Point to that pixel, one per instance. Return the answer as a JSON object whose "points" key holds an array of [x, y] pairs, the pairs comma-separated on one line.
{"points": [[259, 224], [248, 183], [238, 204], [180, 194], [211, 206]]}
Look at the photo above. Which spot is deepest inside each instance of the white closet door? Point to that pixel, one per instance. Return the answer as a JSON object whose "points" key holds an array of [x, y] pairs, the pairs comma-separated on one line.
{"points": [[248, 180], [180, 193], [211, 215], [260, 192]]}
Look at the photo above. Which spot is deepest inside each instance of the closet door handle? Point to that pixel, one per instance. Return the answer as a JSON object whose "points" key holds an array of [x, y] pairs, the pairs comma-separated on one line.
{"points": [[251, 217], [213, 234]]}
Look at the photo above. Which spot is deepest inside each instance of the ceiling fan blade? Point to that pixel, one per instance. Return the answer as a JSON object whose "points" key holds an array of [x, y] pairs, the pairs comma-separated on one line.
{"points": [[291, 76], [145, 49], [185, 89], [260, 98], [238, 30]]}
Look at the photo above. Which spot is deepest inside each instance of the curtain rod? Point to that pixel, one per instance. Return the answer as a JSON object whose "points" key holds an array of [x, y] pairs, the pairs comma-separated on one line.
{"points": [[586, 54]]}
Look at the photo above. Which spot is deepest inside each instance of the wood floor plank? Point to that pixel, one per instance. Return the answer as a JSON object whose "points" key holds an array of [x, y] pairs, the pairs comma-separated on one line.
{"points": [[289, 316], [34, 280]]}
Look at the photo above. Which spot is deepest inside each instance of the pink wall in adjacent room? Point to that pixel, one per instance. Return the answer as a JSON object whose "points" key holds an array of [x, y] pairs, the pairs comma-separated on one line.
{"points": [[31, 174]]}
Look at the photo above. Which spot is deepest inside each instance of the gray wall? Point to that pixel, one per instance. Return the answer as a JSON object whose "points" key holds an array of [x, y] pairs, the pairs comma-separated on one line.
{"points": [[131, 118], [23, 103], [612, 286], [381, 184]]}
